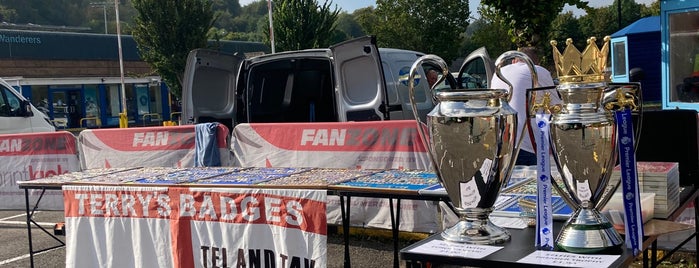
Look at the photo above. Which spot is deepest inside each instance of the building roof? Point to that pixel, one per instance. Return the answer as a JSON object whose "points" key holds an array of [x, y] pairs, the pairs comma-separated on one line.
{"points": [[644, 25]]}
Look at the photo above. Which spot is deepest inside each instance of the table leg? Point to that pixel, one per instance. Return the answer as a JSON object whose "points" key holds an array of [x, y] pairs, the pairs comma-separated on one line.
{"points": [[395, 228], [645, 258], [29, 227], [345, 210], [654, 255]]}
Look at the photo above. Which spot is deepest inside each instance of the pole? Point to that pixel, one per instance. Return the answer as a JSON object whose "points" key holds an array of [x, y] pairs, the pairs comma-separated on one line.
{"points": [[618, 12], [104, 10], [123, 118], [271, 28]]}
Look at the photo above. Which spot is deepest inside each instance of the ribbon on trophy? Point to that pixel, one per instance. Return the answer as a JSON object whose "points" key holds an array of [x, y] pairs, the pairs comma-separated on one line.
{"points": [[633, 223], [544, 211]]}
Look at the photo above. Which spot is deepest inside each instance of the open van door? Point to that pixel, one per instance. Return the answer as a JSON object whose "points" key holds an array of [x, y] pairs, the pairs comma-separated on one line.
{"points": [[363, 91], [478, 69], [209, 87]]}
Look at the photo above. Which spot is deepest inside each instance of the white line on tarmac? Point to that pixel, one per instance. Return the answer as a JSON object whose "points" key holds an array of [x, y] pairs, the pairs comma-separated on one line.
{"points": [[23, 215], [25, 256], [5, 220], [25, 223]]}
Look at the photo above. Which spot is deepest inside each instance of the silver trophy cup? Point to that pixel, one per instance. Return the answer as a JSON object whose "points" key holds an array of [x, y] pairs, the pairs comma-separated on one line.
{"points": [[470, 136], [583, 138]]}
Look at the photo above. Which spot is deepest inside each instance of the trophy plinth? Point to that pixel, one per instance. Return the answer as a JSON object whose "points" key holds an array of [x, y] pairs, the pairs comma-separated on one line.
{"points": [[588, 231], [475, 228]]}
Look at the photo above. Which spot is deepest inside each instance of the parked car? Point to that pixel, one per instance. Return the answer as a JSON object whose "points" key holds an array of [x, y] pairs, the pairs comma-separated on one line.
{"points": [[18, 115]]}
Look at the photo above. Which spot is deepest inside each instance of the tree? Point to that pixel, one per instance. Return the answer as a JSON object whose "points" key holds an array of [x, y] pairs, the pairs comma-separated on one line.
{"points": [[166, 31], [429, 27], [567, 26], [603, 21], [302, 24], [366, 18], [348, 25], [489, 32], [529, 20]]}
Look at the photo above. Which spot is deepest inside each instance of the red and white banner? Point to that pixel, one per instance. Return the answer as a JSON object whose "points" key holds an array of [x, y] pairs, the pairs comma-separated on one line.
{"points": [[172, 146], [366, 145], [391, 144], [118, 226], [31, 156]]}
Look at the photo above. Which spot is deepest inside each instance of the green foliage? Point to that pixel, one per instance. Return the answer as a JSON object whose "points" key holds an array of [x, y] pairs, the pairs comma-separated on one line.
{"points": [[425, 26], [529, 20], [367, 19], [652, 10], [347, 24], [605, 20], [302, 24], [489, 31], [563, 27], [165, 32]]}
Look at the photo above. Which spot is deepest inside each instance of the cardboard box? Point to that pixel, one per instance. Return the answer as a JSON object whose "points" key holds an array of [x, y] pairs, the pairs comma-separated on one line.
{"points": [[614, 210]]}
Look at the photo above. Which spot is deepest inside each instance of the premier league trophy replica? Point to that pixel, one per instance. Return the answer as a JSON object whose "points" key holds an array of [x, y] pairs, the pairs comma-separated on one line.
{"points": [[583, 138], [471, 141]]}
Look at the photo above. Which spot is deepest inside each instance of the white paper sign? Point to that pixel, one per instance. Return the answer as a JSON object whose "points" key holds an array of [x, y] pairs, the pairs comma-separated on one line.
{"points": [[565, 259], [445, 248]]}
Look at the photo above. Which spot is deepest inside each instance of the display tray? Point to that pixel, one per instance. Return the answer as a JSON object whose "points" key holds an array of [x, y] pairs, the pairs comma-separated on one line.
{"points": [[414, 180], [75, 176], [237, 178], [186, 175], [320, 177], [128, 176]]}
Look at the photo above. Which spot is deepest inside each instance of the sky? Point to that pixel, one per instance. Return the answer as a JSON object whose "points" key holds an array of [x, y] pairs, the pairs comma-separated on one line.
{"points": [[350, 5]]}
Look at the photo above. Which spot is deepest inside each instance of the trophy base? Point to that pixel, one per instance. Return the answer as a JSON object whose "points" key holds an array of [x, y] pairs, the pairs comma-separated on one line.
{"points": [[476, 232], [588, 231]]}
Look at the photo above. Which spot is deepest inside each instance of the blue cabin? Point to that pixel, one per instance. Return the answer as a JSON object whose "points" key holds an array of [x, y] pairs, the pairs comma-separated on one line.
{"points": [[638, 46]]}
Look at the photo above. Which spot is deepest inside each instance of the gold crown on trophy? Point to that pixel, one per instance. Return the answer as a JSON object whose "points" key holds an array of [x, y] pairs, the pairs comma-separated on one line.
{"points": [[588, 66]]}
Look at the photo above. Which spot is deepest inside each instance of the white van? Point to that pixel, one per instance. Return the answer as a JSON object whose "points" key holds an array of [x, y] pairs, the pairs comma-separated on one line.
{"points": [[18, 115], [350, 81]]}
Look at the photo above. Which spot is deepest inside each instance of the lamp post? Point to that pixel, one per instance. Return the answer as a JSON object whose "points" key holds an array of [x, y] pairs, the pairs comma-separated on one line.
{"points": [[104, 6], [123, 118]]}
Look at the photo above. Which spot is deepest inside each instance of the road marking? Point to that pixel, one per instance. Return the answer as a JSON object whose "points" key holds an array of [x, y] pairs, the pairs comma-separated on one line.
{"points": [[24, 222], [25, 256], [23, 215]]}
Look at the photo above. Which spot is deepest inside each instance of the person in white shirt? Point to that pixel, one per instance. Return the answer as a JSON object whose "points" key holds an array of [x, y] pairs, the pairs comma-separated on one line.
{"points": [[519, 75]]}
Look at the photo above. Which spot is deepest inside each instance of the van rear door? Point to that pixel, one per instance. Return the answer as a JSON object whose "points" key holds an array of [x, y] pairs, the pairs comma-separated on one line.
{"points": [[361, 93], [477, 70], [209, 87]]}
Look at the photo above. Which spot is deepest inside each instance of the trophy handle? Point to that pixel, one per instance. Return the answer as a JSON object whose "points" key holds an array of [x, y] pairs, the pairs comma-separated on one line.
{"points": [[509, 55], [616, 97], [531, 107], [436, 60]]}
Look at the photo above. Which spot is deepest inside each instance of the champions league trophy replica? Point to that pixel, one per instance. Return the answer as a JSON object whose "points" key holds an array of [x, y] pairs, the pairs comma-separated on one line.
{"points": [[583, 138], [471, 141]]}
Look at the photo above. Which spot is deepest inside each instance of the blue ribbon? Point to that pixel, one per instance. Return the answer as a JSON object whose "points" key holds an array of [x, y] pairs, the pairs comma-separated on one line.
{"points": [[629, 178], [544, 210]]}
